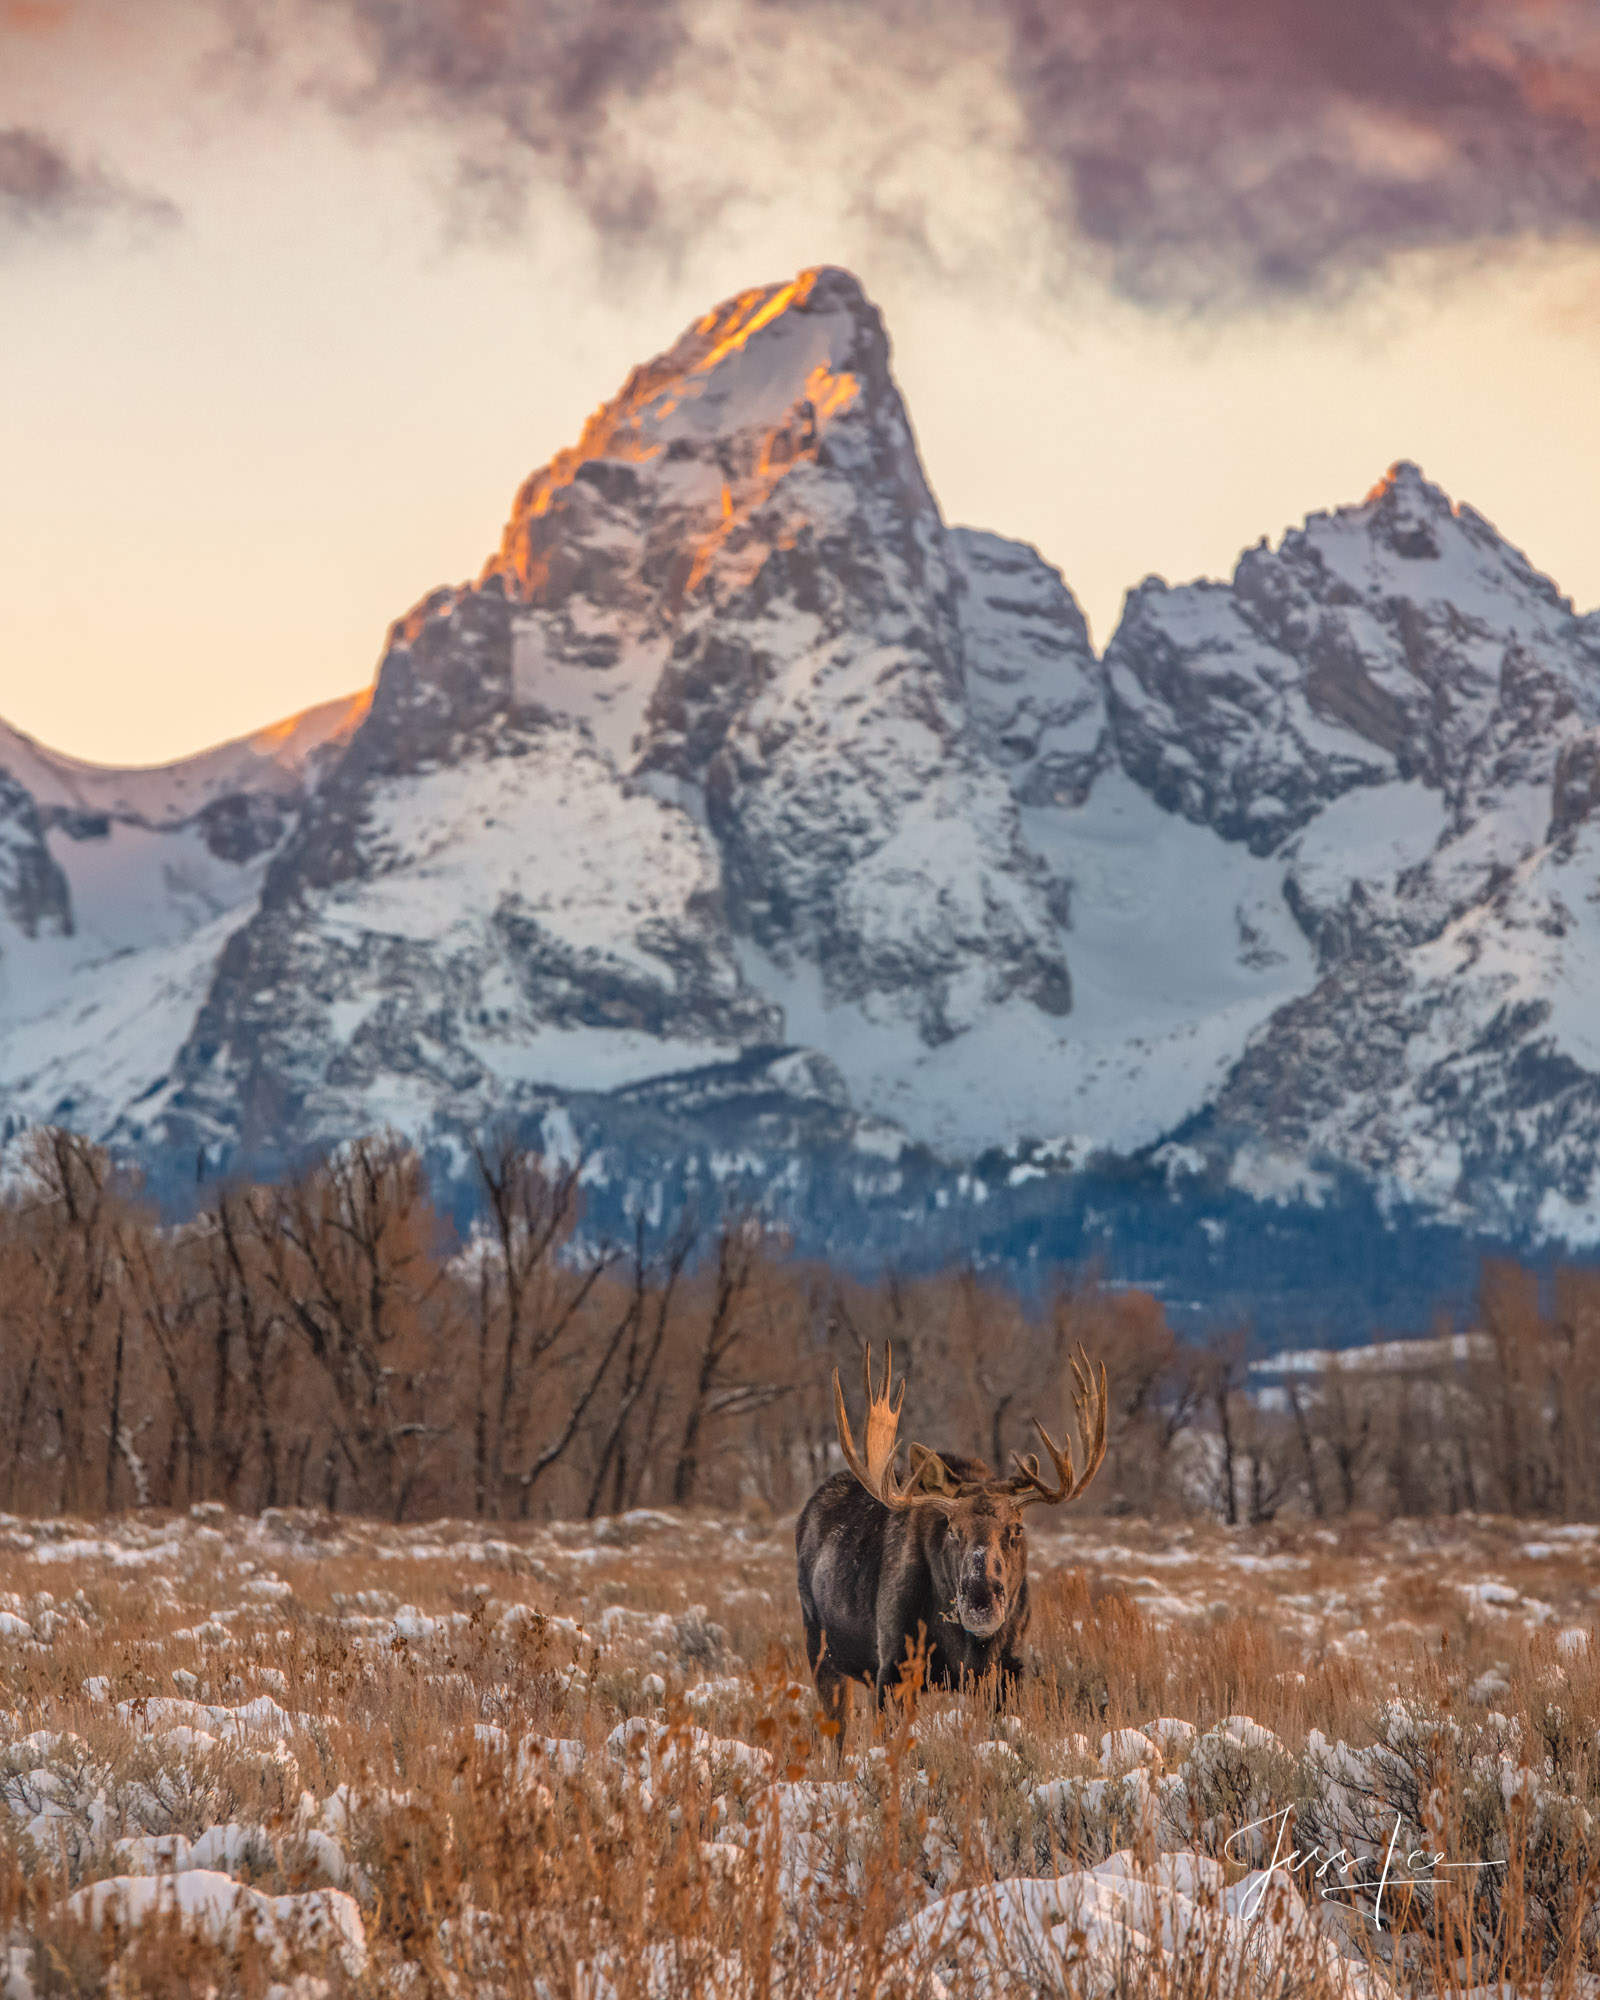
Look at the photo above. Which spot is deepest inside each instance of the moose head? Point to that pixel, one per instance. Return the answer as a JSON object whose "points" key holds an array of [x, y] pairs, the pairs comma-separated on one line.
{"points": [[971, 1519]]}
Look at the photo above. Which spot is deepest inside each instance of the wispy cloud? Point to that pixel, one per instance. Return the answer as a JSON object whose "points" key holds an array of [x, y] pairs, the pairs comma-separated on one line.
{"points": [[1207, 153], [45, 191]]}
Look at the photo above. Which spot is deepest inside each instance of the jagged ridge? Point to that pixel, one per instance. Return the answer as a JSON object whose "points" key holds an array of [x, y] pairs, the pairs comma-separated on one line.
{"points": [[736, 764]]}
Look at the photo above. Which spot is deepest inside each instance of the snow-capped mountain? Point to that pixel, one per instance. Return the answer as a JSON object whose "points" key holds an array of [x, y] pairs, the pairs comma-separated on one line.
{"points": [[1400, 712], [742, 804], [118, 891], [687, 771]]}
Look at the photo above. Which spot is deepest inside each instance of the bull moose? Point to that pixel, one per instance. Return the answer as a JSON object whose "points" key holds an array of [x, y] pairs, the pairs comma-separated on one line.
{"points": [[935, 1565]]}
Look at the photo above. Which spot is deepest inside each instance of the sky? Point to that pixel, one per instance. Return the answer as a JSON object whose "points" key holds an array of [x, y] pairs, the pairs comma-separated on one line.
{"points": [[294, 293]]}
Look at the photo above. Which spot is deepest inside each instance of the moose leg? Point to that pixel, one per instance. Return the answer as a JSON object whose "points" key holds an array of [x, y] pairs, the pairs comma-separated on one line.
{"points": [[903, 1655], [833, 1698], [833, 1687]]}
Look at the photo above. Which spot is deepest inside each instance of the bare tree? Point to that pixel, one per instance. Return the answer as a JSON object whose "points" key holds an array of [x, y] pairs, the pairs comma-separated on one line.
{"points": [[526, 1300], [646, 1331], [1223, 1373], [347, 1249], [70, 1209], [751, 1314]]}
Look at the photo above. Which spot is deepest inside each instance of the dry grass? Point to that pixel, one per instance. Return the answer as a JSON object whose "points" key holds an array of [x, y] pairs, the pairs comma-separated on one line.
{"points": [[406, 1681]]}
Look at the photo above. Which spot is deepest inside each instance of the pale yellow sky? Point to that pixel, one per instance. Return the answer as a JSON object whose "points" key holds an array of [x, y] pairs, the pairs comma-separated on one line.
{"points": [[231, 450]]}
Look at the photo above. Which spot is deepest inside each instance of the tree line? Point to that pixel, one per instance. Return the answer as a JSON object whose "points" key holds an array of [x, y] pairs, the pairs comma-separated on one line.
{"points": [[330, 1341]]}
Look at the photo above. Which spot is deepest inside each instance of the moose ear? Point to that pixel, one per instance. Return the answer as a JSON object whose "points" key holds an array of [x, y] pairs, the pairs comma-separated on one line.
{"points": [[930, 1478]]}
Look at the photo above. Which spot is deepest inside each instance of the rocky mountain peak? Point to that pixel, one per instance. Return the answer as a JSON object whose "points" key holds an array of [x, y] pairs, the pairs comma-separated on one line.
{"points": [[1405, 512], [692, 756], [730, 479], [1409, 538], [749, 391], [1401, 637]]}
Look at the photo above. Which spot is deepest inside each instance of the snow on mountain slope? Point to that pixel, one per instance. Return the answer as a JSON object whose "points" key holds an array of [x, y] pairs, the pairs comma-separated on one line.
{"points": [[88, 1037], [515, 918], [93, 1017], [271, 760], [1181, 945], [121, 887], [134, 888], [1461, 1071]]}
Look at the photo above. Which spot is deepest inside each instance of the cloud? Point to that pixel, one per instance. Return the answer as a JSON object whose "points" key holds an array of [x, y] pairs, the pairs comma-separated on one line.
{"points": [[44, 191], [527, 92], [1208, 154], [1230, 150]]}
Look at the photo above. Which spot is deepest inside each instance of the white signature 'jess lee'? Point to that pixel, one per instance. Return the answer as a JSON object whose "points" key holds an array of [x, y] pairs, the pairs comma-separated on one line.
{"points": [[1349, 1872]]}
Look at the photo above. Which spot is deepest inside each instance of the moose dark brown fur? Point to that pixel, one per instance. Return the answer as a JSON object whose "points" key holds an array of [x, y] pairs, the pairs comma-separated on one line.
{"points": [[934, 1567]]}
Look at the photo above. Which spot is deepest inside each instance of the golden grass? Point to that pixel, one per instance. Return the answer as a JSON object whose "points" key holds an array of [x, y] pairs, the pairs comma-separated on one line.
{"points": [[418, 1667]]}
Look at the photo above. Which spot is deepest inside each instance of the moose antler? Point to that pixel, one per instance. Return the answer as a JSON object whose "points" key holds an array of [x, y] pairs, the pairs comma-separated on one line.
{"points": [[931, 1478], [1089, 1403]]}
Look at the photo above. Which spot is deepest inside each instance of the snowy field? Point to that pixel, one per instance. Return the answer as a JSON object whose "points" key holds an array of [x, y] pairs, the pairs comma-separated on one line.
{"points": [[293, 1755]]}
